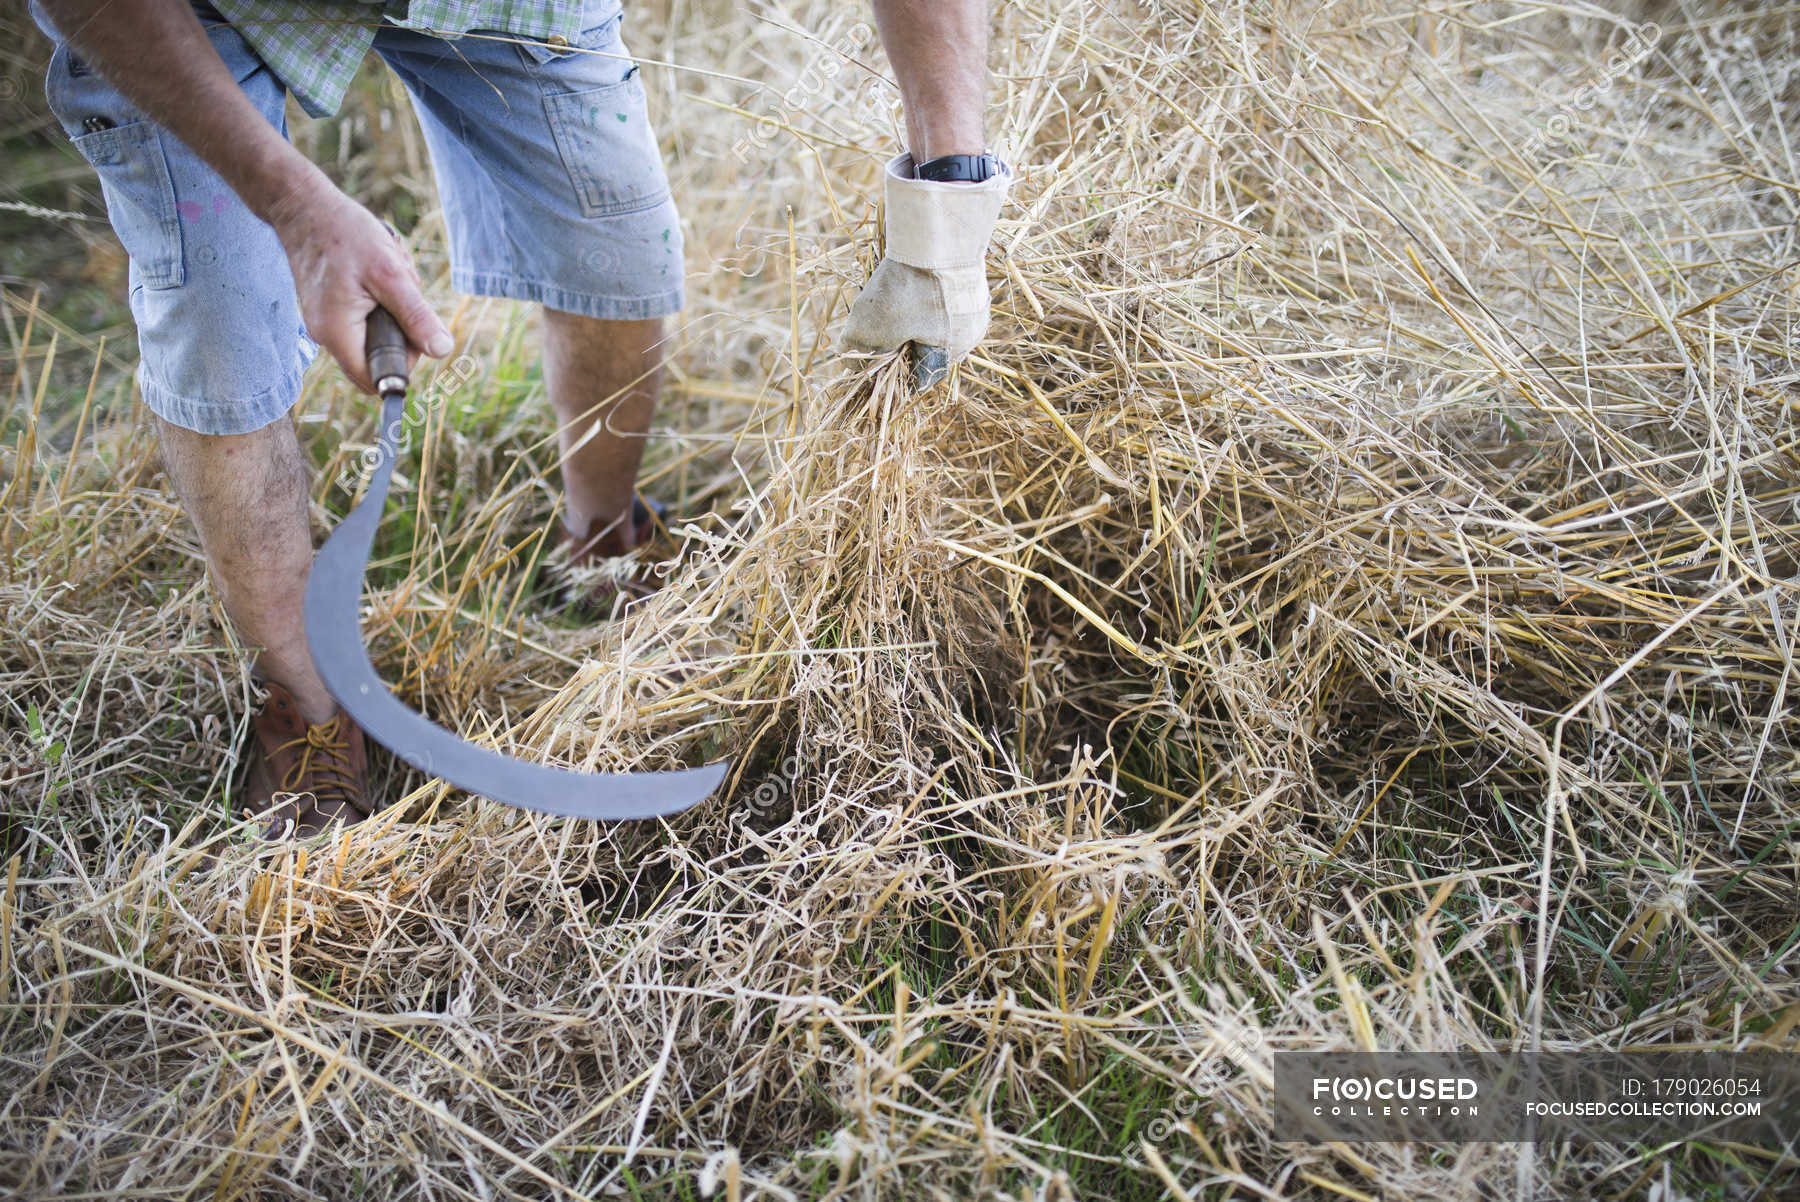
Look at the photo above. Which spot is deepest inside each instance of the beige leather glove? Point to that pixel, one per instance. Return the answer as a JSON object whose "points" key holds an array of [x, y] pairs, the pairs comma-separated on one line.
{"points": [[931, 286]]}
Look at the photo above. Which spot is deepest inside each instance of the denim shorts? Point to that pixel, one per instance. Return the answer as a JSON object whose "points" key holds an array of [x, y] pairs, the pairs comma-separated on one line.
{"points": [[552, 186]]}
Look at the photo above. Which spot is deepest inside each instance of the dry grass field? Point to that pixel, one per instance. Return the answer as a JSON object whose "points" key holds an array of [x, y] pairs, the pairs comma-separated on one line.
{"points": [[1349, 602]]}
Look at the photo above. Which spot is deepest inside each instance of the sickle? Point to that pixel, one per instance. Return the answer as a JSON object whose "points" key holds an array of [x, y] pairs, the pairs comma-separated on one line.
{"points": [[334, 634]]}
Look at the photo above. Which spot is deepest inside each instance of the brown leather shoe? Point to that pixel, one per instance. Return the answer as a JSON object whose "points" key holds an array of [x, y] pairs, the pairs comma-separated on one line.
{"points": [[320, 771], [596, 594]]}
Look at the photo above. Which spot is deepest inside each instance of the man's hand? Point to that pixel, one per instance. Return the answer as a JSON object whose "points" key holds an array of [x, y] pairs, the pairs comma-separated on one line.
{"points": [[931, 286], [345, 262]]}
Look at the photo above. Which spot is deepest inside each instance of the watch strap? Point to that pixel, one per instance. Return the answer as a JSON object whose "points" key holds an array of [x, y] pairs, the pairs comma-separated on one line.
{"points": [[959, 169]]}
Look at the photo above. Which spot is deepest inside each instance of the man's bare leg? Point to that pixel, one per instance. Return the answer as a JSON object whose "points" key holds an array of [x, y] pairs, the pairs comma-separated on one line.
{"points": [[247, 497], [604, 379]]}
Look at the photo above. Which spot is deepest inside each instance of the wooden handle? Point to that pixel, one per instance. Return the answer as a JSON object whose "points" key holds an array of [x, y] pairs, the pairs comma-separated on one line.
{"points": [[384, 349]]}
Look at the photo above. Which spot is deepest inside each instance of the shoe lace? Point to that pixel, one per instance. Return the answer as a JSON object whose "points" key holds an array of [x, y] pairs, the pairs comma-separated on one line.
{"points": [[325, 755]]}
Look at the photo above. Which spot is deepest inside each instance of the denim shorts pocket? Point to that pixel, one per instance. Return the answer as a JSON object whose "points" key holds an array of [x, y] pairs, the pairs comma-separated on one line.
{"points": [[608, 147], [140, 197]]}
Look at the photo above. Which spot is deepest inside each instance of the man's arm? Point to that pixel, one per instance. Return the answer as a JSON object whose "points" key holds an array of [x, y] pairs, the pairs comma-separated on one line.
{"points": [[930, 288], [343, 259], [938, 49]]}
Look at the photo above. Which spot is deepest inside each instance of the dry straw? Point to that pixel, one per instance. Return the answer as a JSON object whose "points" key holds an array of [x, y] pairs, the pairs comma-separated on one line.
{"points": [[1348, 602]]}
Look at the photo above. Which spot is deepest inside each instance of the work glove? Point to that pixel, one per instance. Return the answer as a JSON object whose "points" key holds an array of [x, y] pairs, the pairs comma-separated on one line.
{"points": [[931, 286]]}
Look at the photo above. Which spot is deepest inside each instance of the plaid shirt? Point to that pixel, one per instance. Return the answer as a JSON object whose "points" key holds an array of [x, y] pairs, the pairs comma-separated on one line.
{"points": [[315, 46]]}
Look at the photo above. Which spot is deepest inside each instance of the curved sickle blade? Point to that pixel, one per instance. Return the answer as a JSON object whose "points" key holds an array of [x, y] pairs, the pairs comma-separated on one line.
{"points": [[334, 633]]}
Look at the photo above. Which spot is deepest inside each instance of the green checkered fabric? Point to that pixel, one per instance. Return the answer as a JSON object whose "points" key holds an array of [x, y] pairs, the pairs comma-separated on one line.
{"points": [[315, 46]]}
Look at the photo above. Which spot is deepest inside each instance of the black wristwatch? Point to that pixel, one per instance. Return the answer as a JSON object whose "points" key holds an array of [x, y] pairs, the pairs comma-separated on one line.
{"points": [[960, 169]]}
